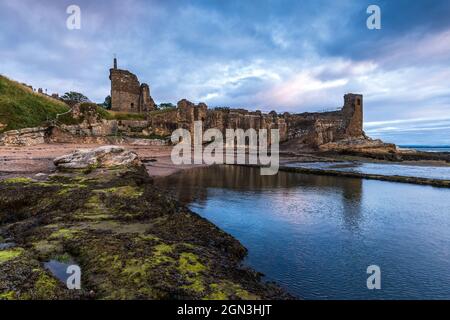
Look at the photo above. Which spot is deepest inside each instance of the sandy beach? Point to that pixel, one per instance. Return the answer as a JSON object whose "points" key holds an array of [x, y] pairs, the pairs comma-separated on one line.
{"points": [[33, 160]]}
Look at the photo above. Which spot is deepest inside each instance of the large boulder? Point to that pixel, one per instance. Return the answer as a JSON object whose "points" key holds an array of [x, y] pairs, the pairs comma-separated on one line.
{"points": [[102, 157], [361, 144]]}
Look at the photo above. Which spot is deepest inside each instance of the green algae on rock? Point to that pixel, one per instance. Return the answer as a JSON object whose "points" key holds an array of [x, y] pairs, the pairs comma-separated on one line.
{"points": [[6, 255], [130, 240]]}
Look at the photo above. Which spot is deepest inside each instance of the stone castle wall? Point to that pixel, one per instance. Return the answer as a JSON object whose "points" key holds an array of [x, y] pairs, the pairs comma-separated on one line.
{"points": [[315, 129], [24, 137], [310, 129]]}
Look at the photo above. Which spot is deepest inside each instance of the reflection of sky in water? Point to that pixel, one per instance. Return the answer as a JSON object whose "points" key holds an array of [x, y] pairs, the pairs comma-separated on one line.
{"points": [[59, 269], [7, 245], [316, 235], [380, 168]]}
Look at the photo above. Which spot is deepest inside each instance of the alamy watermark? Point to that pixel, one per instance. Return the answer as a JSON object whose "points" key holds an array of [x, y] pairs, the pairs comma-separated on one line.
{"points": [[73, 21], [374, 280], [234, 149], [373, 22], [73, 282]]}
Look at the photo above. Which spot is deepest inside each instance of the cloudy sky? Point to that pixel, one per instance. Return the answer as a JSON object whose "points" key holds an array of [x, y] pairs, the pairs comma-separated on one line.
{"points": [[279, 55]]}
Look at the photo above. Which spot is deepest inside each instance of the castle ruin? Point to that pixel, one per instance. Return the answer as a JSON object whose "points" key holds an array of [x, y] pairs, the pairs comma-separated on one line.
{"points": [[127, 94], [310, 129], [339, 130]]}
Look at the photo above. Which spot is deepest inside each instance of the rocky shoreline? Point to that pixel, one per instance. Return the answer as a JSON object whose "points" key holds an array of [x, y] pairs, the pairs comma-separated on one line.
{"points": [[359, 175], [130, 240], [101, 211]]}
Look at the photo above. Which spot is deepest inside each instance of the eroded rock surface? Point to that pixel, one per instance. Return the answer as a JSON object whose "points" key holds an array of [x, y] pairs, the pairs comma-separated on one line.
{"points": [[130, 240], [24, 137], [102, 157], [361, 144]]}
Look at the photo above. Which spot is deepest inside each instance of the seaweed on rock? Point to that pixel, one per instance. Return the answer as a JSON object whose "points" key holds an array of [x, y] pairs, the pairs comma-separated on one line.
{"points": [[130, 240]]}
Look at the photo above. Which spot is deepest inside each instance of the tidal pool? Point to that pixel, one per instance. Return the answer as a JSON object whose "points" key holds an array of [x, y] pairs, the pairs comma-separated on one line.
{"points": [[58, 267], [316, 235]]}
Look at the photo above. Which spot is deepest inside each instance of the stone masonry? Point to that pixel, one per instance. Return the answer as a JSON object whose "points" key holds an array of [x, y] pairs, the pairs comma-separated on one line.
{"points": [[303, 129], [127, 94], [307, 129]]}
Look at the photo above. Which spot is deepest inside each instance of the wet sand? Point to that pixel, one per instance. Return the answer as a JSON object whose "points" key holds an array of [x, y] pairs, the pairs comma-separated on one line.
{"points": [[29, 161], [34, 160]]}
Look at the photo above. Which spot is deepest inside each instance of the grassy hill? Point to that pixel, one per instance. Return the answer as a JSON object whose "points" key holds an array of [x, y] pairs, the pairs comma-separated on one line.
{"points": [[118, 115], [20, 107]]}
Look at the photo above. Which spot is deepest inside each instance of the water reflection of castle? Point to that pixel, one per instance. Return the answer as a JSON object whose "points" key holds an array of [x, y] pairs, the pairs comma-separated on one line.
{"points": [[192, 186]]}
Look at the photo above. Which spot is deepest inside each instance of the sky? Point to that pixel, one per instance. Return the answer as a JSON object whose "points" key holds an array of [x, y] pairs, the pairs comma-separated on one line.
{"points": [[283, 55]]}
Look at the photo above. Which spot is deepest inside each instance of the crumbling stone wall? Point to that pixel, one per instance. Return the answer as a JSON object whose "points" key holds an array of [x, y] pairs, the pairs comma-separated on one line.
{"points": [[163, 123], [315, 129], [223, 119], [309, 129], [24, 137], [127, 94], [187, 113]]}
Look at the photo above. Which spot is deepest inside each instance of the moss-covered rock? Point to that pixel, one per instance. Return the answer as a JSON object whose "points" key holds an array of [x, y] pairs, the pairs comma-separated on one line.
{"points": [[18, 180], [6, 255], [22, 276], [130, 240]]}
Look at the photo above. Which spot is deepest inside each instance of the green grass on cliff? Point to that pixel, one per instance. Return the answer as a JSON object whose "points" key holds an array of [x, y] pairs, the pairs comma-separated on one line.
{"points": [[161, 111], [20, 107], [117, 115], [103, 114]]}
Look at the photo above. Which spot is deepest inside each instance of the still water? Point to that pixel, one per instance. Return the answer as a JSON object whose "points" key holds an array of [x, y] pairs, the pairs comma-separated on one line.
{"points": [[316, 235], [387, 169]]}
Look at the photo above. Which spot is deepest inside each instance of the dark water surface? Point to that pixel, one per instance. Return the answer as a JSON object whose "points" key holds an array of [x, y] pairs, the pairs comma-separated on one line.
{"points": [[316, 235]]}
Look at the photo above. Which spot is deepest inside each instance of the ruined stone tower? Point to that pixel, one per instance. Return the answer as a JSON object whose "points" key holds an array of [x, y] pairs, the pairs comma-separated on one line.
{"points": [[127, 94], [353, 114]]}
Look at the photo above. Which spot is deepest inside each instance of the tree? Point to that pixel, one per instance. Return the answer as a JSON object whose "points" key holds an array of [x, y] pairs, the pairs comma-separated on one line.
{"points": [[107, 103], [168, 105], [74, 97]]}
